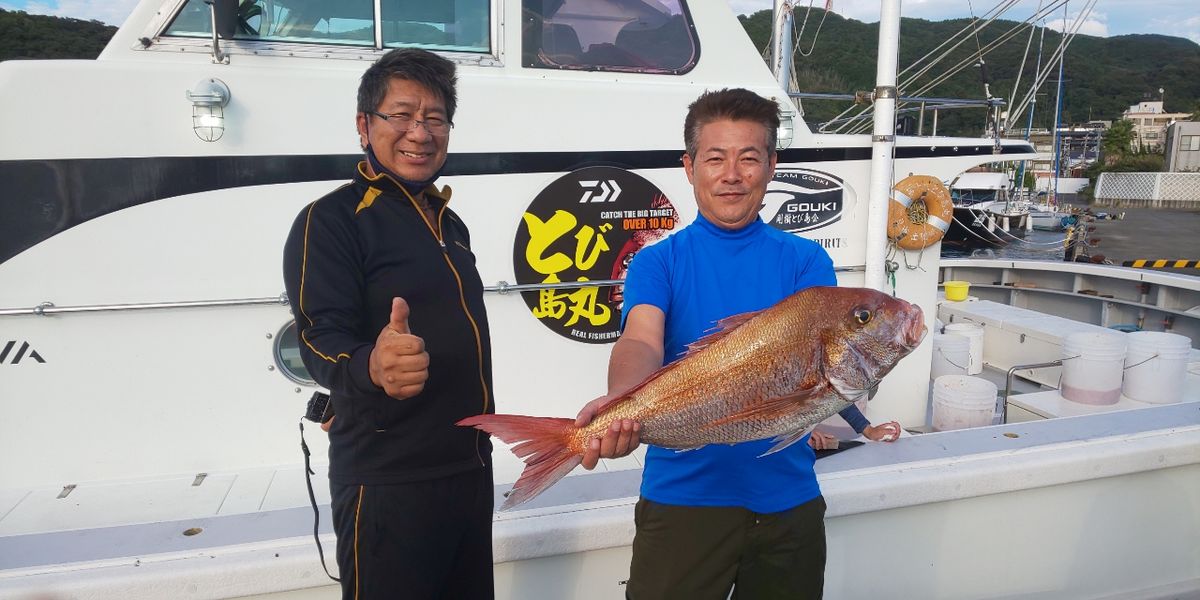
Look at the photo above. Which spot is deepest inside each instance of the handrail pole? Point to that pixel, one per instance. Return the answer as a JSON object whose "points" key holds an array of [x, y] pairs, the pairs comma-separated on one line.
{"points": [[1009, 379]]}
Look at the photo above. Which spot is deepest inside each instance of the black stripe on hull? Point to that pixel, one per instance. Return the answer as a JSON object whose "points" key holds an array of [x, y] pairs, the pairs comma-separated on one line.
{"points": [[41, 198]]}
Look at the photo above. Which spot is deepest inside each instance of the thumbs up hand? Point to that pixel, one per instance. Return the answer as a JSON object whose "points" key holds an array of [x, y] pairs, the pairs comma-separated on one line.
{"points": [[399, 363]]}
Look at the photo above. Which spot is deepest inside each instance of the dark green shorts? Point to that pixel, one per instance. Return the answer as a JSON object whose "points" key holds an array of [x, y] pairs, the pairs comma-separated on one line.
{"points": [[701, 552]]}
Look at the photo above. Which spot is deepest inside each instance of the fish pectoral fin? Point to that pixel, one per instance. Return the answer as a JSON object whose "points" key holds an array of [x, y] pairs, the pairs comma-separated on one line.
{"points": [[784, 441], [720, 330], [766, 410]]}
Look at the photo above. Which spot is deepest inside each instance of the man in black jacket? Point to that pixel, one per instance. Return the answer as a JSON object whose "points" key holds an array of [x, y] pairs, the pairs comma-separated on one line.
{"points": [[389, 309]]}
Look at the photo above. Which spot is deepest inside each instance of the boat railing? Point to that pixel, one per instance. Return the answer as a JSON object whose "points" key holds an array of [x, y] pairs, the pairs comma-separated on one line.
{"points": [[1008, 382], [502, 287], [924, 104]]}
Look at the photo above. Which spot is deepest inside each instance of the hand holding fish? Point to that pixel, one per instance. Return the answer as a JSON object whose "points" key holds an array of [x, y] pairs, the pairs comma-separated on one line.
{"points": [[399, 363], [621, 438]]}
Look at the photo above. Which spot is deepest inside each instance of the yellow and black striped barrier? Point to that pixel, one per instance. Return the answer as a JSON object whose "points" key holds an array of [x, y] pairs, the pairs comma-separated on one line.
{"points": [[1145, 263]]}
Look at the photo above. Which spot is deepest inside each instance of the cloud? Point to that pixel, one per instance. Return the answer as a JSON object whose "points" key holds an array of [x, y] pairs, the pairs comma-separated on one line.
{"points": [[112, 12], [1187, 28], [1095, 24], [749, 7]]}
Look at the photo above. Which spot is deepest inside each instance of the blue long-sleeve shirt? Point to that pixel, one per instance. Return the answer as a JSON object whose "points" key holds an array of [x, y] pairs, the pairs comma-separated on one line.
{"points": [[698, 276]]}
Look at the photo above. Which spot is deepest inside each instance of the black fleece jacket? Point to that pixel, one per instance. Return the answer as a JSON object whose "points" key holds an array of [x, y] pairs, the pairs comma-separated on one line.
{"points": [[348, 254]]}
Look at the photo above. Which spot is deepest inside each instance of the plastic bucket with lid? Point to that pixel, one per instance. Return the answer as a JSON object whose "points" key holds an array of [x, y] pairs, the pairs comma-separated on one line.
{"points": [[951, 354], [962, 402], [1156, 367], [1092, 367], [974, 334], [956, 291]]}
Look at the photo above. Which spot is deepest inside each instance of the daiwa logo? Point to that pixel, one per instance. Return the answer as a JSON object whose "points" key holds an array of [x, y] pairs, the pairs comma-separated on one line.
{"points": [[19, 353], [802, 200], [605, 190]]}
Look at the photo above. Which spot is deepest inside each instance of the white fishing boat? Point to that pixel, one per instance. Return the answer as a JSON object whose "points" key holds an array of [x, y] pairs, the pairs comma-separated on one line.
{"points": [[985, 214], [148, 359]]}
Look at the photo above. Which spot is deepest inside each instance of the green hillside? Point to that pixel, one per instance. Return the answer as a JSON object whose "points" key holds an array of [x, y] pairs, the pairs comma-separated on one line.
{"points": [[1103, 76], [24, 35]]}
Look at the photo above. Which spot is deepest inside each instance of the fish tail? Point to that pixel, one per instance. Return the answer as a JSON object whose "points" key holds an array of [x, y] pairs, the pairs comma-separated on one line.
{"points": [[540, 441]]}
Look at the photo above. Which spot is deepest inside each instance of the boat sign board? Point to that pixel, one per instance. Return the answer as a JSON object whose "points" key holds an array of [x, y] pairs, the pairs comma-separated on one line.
{"points": [[586, 226]]}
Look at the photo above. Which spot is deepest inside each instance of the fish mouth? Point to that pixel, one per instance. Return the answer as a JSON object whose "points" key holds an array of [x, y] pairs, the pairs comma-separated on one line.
{"points": [[914, 330]]}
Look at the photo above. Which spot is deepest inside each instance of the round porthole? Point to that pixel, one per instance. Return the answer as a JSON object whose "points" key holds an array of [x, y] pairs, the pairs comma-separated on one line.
{"points": [[287, 355]]}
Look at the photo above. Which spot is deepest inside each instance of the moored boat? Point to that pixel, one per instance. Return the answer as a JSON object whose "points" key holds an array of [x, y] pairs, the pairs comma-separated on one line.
{"points": [[984, 213]]}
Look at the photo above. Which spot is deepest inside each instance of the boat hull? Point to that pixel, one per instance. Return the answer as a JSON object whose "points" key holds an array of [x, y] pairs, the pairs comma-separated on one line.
{"points": [[976, 226]]}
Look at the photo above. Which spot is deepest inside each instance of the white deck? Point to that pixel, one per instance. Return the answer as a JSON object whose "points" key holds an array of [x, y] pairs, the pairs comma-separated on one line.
{"points": [[871, 490]]}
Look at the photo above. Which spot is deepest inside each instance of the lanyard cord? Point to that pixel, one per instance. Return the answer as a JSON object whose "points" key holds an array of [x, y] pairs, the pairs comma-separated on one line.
{"points": [[312, 498]]}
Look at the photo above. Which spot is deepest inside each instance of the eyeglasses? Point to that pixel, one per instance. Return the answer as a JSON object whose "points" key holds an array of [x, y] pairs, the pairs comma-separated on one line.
{"points": [[403, 122]]}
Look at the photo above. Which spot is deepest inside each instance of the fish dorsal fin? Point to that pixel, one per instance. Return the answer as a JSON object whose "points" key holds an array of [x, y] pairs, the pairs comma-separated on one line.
{"points": [[720, 330], [766, 410], [784, 441]]}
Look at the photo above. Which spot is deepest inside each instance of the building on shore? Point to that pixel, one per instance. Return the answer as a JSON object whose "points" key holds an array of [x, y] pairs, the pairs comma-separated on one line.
{"points": [[1150, 124], [1183, 147]]}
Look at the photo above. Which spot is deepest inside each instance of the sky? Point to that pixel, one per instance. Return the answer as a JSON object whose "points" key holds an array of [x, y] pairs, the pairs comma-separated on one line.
{"points": [[1178, 18]]}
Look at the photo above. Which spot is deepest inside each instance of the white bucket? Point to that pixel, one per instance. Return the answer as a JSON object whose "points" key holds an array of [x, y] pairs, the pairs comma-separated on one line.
{"points": [[974, 333], [1156, 367], [951, 353], [962, 402], [1092, 367]]}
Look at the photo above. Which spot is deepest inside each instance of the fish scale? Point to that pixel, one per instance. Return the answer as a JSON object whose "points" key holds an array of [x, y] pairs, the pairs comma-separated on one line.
{"points": [[770, 374]]}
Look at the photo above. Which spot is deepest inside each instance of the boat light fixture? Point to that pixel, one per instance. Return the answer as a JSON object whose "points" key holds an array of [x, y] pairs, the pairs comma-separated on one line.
{"points": [[208, 98], [787, 131]]}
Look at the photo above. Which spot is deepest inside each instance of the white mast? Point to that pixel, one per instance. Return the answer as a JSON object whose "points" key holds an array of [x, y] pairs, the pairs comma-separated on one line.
{"points": [[883, 141], [781, 44]]}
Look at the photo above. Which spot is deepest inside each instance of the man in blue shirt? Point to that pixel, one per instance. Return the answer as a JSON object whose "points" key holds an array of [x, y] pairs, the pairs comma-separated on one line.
{"points": [[720, 517]]}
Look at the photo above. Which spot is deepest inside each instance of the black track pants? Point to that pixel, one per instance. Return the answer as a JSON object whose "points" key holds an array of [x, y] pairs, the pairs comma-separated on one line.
{"points": [[423, 540]]}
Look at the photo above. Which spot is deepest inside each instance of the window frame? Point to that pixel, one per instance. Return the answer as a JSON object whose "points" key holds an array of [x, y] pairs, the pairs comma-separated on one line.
{"points": [[156, 32]]}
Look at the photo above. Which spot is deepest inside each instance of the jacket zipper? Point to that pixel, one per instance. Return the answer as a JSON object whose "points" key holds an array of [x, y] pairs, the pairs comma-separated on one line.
{"points": [[462, 298]]}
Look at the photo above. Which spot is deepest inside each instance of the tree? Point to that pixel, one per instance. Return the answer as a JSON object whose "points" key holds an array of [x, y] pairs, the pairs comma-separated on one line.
{"points": [[1117, 141]]}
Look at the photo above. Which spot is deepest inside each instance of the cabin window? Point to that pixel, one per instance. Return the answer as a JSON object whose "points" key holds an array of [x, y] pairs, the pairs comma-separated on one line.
{"points": [[1189, 143], [608, 35], [287, 355], [452, 25], [344, 22], [458, 25]]}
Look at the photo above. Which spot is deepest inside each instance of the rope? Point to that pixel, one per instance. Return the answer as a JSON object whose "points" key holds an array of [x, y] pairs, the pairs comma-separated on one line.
{"points": [[999, 10], [796, 44], [1058, 52], [1024, 59], [990, 242], [854, 122]]}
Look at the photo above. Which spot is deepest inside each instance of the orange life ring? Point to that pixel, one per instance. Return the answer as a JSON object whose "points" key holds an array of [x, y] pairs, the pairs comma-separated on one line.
{"points": [[909, 228]]}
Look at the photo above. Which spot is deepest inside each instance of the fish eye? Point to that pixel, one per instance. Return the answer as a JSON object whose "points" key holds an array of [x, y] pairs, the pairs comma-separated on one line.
{"points": [[863, 316]]}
